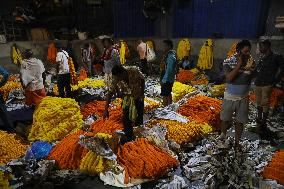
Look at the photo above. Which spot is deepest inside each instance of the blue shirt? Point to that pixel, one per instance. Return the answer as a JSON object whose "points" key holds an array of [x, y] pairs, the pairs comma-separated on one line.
{"points": [[170, 71], [5, 75]]}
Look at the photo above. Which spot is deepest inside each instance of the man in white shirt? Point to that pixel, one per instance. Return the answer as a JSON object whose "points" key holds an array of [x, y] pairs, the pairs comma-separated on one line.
{"points": [[64, 77]]}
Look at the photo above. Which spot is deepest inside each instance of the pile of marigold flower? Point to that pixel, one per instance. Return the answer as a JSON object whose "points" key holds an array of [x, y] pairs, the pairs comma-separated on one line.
{"points": [[9, 87], [185, 76], [180, 90], [150, 104], [55, 118], [89, 82]]}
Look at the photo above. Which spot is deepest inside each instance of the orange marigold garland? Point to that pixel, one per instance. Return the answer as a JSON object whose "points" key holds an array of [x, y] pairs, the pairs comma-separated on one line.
{"points": [[202, 109], [142, 160], [275, 169], [185, 76], [74, 79], [93, 108], [68, 153], [83, 75]]}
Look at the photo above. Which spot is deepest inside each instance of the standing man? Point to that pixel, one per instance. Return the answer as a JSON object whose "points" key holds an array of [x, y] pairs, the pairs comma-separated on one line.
{"points": [[110, 58], [142, 51], [87, 58], [168, 72], [130, 84], [238, 72], [269, 71], [32, 74], [64, 77], [8, 126]]}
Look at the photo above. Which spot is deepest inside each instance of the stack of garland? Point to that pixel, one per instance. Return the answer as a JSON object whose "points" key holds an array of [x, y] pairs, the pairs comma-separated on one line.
{"points": [[200, 80], [183, 133], [150, 104], [93, 83], [11, 85], [202, 109], [55, 118], [180, 90], [142, 160], [10, 147], [95, 108], [275, 97], [275, 169], [218, 90], [68, 152], [185, 76], [183, 49]]}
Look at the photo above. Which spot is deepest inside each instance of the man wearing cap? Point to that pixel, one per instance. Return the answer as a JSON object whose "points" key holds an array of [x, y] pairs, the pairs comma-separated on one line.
{"points": [[32, 72]]}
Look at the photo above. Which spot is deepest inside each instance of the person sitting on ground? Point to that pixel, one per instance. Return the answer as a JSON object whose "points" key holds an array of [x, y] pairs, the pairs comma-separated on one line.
{"points": [[238, 72], [8, 126], [64, 77], [130, 84], [32, 77], [168, 72]]}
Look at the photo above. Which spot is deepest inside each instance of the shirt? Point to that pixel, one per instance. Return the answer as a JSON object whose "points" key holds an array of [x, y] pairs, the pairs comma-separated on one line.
{"points": [[142, 48], [87, 54], [111, 58], [135, 86], [267, 69], [170, 67], [62, 58], [31, 74], [240, 86]]}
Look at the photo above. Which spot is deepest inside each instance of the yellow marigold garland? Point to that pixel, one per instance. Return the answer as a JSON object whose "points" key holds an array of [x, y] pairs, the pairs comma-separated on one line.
{"points": [[9, 87], [183, 49], [54, 118], [94, 83], [205, 59], [180, 90], [4, 180], [10, 147]]}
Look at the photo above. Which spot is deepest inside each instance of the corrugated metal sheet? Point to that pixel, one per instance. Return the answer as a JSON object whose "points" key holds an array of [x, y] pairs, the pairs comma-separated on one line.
{"points": [[129, 20], [227, 18]]}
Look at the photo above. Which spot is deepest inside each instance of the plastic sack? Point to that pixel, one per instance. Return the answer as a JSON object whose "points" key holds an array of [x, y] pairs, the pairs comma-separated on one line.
{"points": [[40, 149]]}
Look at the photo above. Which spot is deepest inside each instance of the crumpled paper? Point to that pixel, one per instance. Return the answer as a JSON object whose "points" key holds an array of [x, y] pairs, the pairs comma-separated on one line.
{"points": [[176, 182], [162, 113]]}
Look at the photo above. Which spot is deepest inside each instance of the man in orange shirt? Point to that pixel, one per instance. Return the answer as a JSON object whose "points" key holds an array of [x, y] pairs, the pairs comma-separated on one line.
{"points": [[142, 50]]}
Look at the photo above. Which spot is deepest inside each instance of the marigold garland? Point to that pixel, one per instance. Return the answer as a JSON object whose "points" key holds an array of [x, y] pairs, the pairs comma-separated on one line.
{"points": [[4, 180], [185, 76], [9, 87], [232, 50], [180, 90], [275, 169], [68, 153], [183, 132], [55, 118], [83, 75], [201, 80], [205, 57], [74, 79], [183, 49], [94, 83], [142, 160], [218, 90], [275, 97], [10, 147], [202, 109], [150, 104]]}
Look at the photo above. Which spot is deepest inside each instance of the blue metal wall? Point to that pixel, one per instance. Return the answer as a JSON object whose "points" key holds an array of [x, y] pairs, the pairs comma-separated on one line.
{"points": [[229, 18], [129, 20], [200, 19]]}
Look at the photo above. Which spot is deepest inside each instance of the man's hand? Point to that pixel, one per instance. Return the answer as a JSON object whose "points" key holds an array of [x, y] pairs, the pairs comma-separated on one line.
{"points": [[106, 114]]}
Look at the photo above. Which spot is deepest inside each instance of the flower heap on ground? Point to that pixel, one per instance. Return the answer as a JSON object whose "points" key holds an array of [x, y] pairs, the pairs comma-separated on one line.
{"points": [[276, 95], [11, 85], [55, 118], [218, 90], [200, 80], [180, 90], [202, 109], [68, 152], [142, 160], [150, 104], [10, 147], [89, 82], [185, 76], [275, 169], [183, 132], [4, 180]]}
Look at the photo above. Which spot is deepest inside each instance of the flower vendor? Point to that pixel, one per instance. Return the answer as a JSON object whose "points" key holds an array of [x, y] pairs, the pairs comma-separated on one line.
{"points": [[4, 75], [87, 57], [238, 70], [110, 58], [64, 76], [129, 83], [32, 72], [169, 67], [268, 74], [142, 49]]}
